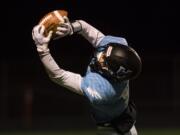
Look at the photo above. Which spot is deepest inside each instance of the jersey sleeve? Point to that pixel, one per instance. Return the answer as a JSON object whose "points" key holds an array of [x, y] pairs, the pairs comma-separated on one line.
{"points": [[69, 80], [113, 39]]}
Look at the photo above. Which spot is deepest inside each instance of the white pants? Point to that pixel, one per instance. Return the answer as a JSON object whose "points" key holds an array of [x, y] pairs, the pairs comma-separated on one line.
{"points": [[111, 131]]}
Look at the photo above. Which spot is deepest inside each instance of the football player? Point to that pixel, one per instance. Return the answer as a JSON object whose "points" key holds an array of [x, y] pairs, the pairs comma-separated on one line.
{"points": [[106, 82]]}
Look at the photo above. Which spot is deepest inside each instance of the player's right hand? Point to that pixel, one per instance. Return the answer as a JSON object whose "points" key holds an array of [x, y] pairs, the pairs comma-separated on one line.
{"points": [[38, 35], [40, 40]]}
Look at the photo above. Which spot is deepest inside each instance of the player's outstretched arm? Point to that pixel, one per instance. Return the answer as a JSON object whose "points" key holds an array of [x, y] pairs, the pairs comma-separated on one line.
{"points": [[93, 35], [64, 78], [89, 32]]}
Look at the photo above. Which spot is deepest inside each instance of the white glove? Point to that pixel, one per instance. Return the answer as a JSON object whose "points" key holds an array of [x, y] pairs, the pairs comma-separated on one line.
{"points": [[40, 40], [64, 29]]}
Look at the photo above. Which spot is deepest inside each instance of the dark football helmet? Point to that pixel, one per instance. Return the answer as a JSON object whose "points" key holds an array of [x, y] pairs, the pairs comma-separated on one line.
{"points": [[116, 61]]}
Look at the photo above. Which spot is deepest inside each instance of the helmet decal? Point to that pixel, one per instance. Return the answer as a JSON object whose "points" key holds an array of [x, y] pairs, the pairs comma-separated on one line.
{"points": [[123, 70]]}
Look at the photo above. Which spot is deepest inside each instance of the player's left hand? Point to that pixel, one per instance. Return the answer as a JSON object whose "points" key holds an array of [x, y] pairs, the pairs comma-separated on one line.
{"points": [[40, 40], [64, 29]]}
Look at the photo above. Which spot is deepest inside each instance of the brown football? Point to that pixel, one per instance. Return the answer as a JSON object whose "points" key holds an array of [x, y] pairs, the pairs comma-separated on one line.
{"points": [[51, 20]]}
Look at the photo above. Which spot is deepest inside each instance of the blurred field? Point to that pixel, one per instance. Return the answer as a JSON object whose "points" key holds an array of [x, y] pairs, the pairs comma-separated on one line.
{"points": [[141, 132]]}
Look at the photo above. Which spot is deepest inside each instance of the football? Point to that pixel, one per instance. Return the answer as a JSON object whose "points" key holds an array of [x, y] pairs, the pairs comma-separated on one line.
{"points": [[51, 20]]}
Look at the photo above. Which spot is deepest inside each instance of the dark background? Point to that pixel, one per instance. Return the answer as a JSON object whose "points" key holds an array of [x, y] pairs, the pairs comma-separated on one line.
{"points": [[29, 100]]}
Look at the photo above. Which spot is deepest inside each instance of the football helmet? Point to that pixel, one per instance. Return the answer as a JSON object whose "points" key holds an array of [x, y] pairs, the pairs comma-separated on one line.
{"points": [[116, 61]]}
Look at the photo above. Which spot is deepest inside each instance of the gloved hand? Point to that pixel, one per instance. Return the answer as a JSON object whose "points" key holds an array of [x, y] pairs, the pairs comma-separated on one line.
{"points": [[40, 40], [64, 29]]}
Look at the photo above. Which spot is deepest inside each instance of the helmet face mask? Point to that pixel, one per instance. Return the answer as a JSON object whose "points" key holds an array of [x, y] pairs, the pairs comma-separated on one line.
{"points": [[101, 60], [118, 62]]}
